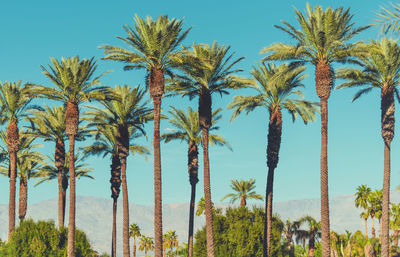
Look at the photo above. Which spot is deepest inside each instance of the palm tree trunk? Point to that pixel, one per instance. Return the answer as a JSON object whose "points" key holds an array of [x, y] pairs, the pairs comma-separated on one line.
{"points": [[373, 227], [125, 225], [366, 229], [311, 247], [23, 198], [193, 167], [274, 144], [114, 230], [61, 201], [396, 238], [323, 84], [157, 179], [64, 197], [72, 201], [11, 208], [387, 123], [134, 247]]}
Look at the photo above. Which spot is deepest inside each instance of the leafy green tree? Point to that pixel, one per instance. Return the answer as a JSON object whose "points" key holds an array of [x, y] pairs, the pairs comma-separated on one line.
{"points": [[362, 201], [380, 70], [244, 189], [278, 89], [321, 40], [239, 232], [134, 232], [154, 43], [186, 128]]}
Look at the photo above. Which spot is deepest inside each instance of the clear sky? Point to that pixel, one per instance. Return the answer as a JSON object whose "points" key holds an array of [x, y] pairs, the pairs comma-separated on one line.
{"points": [[34, 31]]}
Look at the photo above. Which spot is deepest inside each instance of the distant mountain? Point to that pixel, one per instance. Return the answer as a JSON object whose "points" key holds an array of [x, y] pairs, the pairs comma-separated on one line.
{"points": [[94, 216]]}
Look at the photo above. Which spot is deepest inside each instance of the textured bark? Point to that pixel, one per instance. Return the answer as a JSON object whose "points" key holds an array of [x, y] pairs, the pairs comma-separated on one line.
{"points": [[193, 167], [125, 202], [274, 144], [387, 121], [243, 201], [366, 229], [156, 82], [59, 163], [134, 247], [23, 198], [72, 202], [12, 147], [205, 112], [158, 240], [369, 250], [311, 246], [115, 189], [71, 119], [12, 137]]}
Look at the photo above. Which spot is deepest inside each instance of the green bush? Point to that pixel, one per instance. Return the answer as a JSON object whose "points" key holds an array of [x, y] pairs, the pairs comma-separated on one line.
{"points": [[44, 239]]}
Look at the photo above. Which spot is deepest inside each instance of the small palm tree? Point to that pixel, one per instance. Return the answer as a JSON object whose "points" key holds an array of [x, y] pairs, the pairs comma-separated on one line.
{"points": [[395, 223], [146, 244], [321, 40], [380, 70], [289, 230], [170, 242], [312, 232], [278, 89], [127, 113], [155, 43], [362, 201], [244, 189], [211, 71], [134, 231], [74, 85], [186, 128], [14, 103]]}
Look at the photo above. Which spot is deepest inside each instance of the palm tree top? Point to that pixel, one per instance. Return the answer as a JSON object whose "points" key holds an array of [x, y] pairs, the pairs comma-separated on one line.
{"points": [[362, 196], [153, 41], [321, 37], [73, 78], [243, 189], [388, 18], [134, 230]]}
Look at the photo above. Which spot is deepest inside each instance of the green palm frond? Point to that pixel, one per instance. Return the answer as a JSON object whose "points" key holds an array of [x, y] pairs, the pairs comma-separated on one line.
{"points": [[388, 18], [243, 189]]}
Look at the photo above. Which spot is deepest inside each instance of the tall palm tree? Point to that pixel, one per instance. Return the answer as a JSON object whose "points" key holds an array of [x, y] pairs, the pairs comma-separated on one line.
{"points": [[244, 189], [74, 84], [49, 124], [134, 231], [380, 70], [154, 43], [362, 201], [127, 113], [211, 71], [146, 244], [278, 89], [29, 163], [321, 41], [312, 232], [186, 128], [14, 103]]}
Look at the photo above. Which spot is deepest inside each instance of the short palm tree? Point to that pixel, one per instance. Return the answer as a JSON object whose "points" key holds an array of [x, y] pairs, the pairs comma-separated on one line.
{"points": [[146, 244], [380, 70], [312, 232], [170, 242], [278, 89], [127, 113], [186, 128], [362, 201], [320, 41], [154, 43], [134, 231], [29, 162], [74, 85], [14, 103], [211, 72], [289, 230], [395, 223], [244, 189]]}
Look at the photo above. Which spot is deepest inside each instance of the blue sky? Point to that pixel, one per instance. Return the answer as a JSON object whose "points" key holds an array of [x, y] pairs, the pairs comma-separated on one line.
{"points": [[34, 31]]}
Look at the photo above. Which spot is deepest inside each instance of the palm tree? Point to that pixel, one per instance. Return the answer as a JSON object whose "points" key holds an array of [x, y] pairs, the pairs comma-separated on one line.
{"points": [[134, 231], [170, 241], [49, 124], [28, 164], [395, 223], [312, 233], [74, 84], [362, 201], [187, 129], [14, 104], [211, 72], [388, 18], [127, 113], [289, 230], [146, 244], [244, 189], [375, 209], [155, 42], [321, 41], [380, 70], [275, 86]]}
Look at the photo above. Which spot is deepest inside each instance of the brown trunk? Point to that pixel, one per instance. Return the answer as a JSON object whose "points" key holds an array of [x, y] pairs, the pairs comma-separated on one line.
{"points": [[273, 146], [23, 198], [396, 238], [205, 116], [193, 167], [125, 202], [157, 180], [71, 119], [12, 147], [134, 247], [72, 202], [373, 227], [323, 84], [64, 196], [115, 188], [59, 163], [387, 121], [243, 201], [311, 247]]}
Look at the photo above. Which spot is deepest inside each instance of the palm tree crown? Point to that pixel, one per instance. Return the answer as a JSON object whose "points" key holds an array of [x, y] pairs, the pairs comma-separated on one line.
{"points": [[244, 189]]}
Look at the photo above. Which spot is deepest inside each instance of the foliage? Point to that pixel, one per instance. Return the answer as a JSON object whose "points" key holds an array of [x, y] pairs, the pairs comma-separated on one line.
{"points": [[244, 189], [239, 232], [43, 239]]}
